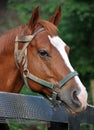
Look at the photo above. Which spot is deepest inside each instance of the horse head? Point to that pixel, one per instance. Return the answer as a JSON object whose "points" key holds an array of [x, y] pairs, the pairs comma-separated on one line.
{"points": [[44, 63]]}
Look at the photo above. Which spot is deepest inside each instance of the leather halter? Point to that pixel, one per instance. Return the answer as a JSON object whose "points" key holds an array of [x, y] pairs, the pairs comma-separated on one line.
{"points": [[21, 57]]}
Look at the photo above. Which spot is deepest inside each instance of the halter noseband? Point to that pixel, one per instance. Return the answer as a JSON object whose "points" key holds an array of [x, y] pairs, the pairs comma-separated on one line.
{"points": [[21, 56]]}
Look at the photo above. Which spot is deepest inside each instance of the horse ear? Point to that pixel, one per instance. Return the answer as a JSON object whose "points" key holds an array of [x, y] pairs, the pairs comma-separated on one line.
{"points": [[55, 18], [34, 18]]}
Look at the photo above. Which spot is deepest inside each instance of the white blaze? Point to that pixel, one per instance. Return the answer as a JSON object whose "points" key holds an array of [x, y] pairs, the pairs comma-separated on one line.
{"points": [[59, 44]]}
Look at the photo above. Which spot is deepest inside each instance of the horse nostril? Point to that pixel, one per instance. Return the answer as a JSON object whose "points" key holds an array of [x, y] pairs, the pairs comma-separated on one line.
{"points": [[75, 95], [75, 99]]}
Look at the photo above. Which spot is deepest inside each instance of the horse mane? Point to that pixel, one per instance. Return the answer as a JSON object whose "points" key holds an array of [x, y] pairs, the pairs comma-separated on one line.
{"points": [[9, 37]]}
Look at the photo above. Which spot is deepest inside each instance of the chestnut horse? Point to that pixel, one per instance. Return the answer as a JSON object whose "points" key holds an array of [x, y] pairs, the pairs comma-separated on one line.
{"points": [[34, 54]]}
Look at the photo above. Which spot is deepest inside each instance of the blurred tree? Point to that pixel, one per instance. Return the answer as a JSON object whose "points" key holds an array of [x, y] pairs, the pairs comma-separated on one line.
{"points": [[78, 30], [3, 4]]}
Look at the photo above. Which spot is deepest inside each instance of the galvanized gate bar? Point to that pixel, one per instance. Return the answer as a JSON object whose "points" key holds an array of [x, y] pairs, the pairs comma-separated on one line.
{"points": [[24, 108]]}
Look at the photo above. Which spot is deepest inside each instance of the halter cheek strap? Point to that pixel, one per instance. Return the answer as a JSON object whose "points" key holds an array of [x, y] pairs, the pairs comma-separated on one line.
{"points": [[21, 56]]}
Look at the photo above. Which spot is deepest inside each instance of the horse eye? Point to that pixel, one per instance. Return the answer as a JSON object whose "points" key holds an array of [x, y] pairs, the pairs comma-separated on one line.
{"points": [[43, 53]]}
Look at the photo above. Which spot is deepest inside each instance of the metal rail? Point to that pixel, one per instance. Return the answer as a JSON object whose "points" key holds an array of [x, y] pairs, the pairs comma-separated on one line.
{"points": [[22, 108]]}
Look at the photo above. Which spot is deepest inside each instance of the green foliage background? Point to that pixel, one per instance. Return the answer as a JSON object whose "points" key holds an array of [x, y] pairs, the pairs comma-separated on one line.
{"points": [[76, 29]]}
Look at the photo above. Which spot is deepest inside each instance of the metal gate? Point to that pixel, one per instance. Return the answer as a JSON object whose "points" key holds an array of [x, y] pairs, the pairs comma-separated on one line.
{"points": [[24, 108]]}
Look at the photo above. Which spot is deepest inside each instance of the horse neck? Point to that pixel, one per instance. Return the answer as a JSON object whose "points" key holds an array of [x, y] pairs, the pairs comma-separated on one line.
{"points": [[10, 76]]}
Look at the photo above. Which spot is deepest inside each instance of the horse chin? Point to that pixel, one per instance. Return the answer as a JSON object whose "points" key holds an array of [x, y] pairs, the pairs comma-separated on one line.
{"points": [[69, 109]]}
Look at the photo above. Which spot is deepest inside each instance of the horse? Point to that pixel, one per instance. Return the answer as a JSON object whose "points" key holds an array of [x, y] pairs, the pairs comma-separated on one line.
{"points": [[35, 55]]}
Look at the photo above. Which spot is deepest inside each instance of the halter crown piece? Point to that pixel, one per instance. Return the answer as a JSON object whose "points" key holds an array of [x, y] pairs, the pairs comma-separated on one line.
{"points": [[22, 55]]}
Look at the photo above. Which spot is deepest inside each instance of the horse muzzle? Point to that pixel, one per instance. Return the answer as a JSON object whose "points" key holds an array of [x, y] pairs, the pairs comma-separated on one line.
{"points": [[75, 101]]}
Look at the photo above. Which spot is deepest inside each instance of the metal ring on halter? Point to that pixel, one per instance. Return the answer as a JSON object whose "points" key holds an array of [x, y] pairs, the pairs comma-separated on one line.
{"points": [[25, 72]]}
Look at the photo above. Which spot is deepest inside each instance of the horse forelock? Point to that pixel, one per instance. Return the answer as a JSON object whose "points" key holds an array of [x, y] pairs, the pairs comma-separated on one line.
{"points": [[51, 28]]}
